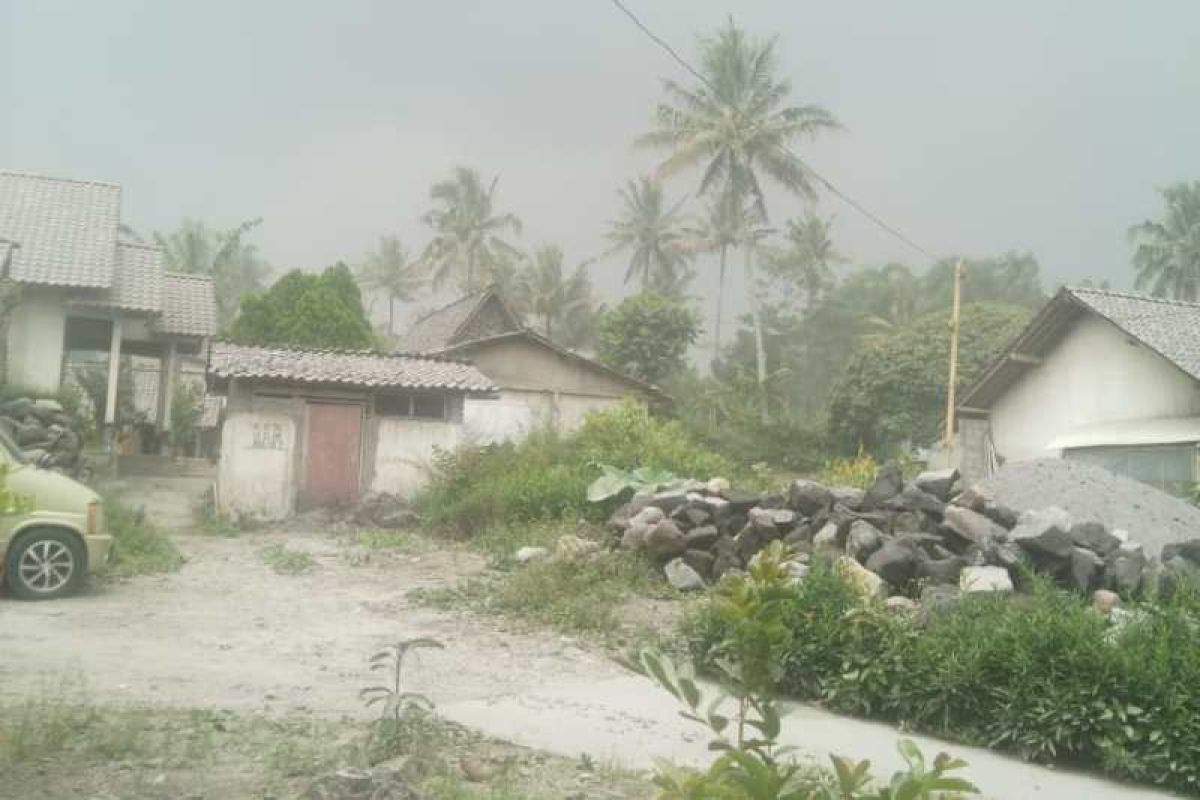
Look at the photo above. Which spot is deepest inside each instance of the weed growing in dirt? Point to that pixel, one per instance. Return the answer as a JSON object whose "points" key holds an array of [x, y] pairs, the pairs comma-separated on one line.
{"points": [[397, 541], [139, 547], [286, 561], [576, 596], [391, 658]]}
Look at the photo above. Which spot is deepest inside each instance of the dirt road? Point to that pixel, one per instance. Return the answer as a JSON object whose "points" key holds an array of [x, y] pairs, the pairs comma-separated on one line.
{"points": [[226, 631]]}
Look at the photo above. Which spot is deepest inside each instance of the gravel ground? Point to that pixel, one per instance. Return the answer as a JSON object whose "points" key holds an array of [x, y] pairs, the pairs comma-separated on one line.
{"points": [[1151, 517]]}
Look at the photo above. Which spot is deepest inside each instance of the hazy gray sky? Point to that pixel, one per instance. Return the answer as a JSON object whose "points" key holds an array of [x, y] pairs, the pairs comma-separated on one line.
{"points": [[976, 128]]}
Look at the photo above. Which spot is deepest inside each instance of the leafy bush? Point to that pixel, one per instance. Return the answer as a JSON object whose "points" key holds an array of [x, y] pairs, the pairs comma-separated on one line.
{"points": [[546, 475], [1042, 675], [859, 471]]}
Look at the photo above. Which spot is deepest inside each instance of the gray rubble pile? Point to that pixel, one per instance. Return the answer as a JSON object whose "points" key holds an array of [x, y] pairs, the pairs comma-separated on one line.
{"points": [[49, 436], [914, 535]]}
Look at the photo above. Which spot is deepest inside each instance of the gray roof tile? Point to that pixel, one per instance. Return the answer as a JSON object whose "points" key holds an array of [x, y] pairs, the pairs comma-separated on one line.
{"points": [[435, 331], [350, 368], [137, 281], [1171, 327], [66, 230], [189, 305]]}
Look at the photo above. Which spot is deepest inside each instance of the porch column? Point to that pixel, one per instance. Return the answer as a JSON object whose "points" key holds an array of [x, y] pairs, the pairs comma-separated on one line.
{"points": [[114, 374], [166, 389]]}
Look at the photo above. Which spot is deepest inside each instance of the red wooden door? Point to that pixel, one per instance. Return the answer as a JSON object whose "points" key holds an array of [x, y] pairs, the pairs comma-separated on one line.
{"points": [[332, 454]]}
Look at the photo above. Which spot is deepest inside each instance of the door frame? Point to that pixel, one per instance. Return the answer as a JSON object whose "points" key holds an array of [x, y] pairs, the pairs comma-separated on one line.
{"points": [[302, 498]]}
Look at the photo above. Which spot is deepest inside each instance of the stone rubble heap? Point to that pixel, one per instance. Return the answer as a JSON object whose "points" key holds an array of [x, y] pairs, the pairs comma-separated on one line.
{"points": [[49, 436], [891, 539]]}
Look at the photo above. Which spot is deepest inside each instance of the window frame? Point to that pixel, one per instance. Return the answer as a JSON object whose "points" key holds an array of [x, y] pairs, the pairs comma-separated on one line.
{"points": [[411, 405]]}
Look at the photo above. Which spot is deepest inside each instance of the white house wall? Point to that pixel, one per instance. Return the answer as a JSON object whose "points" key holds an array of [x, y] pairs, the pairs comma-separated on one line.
{"points": [[403, 451], [516, 412], [35, 341], [1095, 374], [256, 473]]}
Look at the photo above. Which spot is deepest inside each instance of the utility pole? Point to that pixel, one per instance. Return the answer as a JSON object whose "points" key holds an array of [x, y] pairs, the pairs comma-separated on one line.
{"points": [[948, 440]]}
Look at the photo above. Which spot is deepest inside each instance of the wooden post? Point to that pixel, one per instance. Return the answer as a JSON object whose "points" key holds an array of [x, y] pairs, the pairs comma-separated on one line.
{"points": [[948, 441]]}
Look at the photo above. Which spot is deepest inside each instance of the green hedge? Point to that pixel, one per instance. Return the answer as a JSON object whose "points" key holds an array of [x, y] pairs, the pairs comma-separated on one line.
{"points": [[546, 475], [1041, 675]]}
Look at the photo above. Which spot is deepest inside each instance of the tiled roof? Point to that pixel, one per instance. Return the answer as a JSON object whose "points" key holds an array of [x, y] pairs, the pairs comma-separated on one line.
{"points": [[189, 305], [1171, 327], [350, 368], [65, 230], [436, 330], [137, 280]]}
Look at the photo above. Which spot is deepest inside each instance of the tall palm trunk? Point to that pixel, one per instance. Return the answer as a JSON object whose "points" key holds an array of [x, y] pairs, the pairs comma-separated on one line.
{"points": [[720, 304], [760, 351]]}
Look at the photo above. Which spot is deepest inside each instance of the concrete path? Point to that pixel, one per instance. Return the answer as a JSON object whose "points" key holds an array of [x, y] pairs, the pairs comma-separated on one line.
{"points": [[629, 721]]}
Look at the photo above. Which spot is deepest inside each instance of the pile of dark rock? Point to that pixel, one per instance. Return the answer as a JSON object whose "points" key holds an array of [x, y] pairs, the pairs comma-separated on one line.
{"points": [[383, 510], [49, 436], [895, 538]]}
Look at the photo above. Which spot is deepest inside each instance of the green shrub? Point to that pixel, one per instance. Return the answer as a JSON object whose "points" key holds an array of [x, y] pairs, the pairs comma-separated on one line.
{"points": [[1042, 675], [545, 476], [139, 547]]}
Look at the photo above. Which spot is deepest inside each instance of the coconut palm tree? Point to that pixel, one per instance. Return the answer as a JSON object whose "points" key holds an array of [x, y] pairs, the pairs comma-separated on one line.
{"points": [[651, 231], [1167, 255], [560, 306], [468, 233], [891, 295], [736, 126], [808, 256], [233, 263], [721, 229], [389, 269]]}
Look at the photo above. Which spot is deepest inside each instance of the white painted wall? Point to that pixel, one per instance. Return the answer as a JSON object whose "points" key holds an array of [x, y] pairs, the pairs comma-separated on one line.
{"points": [[516, 412], [255, 475], [403, 450], [1095, 374], [35, 341]]}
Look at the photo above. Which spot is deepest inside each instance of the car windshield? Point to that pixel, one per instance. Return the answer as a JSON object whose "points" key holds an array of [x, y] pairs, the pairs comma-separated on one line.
{"points": [[10, 448]]}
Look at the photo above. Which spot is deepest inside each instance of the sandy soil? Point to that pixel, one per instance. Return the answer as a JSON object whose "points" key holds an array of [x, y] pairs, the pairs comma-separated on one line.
{"points": [[228, 632]]}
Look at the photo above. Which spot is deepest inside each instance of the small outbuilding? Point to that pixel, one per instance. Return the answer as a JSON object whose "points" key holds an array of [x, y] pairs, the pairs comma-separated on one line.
{"points": [[542, 384], [306, 428], [1110, 378]]}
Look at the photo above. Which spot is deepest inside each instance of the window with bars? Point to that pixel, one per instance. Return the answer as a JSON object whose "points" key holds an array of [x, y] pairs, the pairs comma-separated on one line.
{"points": [[417, 405]]}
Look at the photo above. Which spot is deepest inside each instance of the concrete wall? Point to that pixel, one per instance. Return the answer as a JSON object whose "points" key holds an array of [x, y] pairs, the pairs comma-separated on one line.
{"points": [[403, 449], [257, 472], [514, 413], [525, 365], [35, 340], [1095, 374]]}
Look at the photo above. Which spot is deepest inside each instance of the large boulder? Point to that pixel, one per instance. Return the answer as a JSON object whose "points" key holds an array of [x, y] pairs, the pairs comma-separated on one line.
{"points": [[939, 483], [867, 584], [888, 483], [1124, 568], [850, 497], [809, 497], [971, 526], [1087, 569], [895, 562], [863, 540], [1045, 533], [827, 538], [683, 577], [700, 560], [665, 541], [1189, 550], [942, 571], [913, 498], [1095, 537], [703, 537], [985, 579]]}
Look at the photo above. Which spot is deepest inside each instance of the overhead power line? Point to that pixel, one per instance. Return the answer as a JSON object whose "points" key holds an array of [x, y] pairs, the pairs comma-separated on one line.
{"points": [[825, 182]]}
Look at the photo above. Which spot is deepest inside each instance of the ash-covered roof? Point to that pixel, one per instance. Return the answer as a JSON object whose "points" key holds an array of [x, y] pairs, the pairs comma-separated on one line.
{"points": [[189, 305], [1170, 328], [341, 367], [453, 323], [65, 230]]}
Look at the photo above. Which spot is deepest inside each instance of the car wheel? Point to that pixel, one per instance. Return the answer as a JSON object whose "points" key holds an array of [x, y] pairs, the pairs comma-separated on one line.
{"points": [[44, 564]]}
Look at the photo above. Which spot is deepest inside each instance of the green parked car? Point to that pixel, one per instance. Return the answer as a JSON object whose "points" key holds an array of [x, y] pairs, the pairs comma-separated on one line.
{"points": [[53, 533]]}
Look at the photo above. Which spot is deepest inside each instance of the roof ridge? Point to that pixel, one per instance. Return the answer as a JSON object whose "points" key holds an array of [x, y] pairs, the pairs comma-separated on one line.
{"points": [[343, 351], [16, 173], [137, 244], [1169, 301], [188, 275], [451, 304]]}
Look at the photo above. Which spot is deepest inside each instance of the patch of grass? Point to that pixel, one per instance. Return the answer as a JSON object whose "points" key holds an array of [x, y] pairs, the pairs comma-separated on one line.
{"points": [[286, 561], [576, 596], [500, 543], [139, 547], [60, 743], [389, 540]]}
